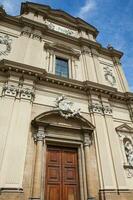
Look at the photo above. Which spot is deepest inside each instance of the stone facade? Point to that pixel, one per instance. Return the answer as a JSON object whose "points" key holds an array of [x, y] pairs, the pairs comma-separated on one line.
{"points": [[90, 110]]}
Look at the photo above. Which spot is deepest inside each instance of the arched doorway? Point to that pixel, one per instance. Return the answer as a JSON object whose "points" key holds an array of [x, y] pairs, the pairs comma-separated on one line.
{"points": [[62, 157]]}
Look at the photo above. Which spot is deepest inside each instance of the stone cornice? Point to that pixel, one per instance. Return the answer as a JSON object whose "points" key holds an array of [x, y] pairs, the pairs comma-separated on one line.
{"points": [[22, 21], [60, 48], [8, 66], [56, 15], [41, 77]]}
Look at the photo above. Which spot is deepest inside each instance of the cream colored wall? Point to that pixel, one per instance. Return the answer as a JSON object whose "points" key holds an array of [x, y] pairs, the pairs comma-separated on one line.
{"points": [[28, 49]]}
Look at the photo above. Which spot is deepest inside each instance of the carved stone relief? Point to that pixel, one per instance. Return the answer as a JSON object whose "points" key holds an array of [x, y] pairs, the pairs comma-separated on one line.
{"points": [[126, 142], [61, 29], [87, 139], [108, 74], [5, 44], [18, 92], [66, 107], [99, 108], [34, 34], [40, 135]]}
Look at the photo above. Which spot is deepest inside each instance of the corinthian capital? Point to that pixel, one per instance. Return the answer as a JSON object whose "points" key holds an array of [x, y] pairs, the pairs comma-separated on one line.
{"points": [[40, 135], [87, 139]]}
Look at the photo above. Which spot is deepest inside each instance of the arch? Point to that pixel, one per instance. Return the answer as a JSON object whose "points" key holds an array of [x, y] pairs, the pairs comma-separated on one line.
{"points": [[53, 118]]}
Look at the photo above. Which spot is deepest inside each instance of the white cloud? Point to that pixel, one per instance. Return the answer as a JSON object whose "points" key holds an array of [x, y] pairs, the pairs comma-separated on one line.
{"points": [[88, 7]]}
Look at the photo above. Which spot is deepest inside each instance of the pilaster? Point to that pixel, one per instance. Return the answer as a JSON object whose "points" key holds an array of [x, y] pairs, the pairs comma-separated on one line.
{"points": [[15, 145], [89, 65], [106, 168], [39, 139], [91, 166]]}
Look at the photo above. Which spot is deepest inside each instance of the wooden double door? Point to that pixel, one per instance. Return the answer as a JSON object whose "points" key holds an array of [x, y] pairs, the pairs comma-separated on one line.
{"points": [[62, 182]]}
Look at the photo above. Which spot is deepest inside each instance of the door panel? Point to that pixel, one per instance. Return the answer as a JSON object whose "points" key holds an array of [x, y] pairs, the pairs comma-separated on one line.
{"points": [[62, 174]]}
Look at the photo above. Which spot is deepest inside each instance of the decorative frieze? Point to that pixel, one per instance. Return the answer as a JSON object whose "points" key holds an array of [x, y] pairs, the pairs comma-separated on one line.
{"points": [[66, 107], [99, 108], [5, 44], [61, 29], [18, 92]]}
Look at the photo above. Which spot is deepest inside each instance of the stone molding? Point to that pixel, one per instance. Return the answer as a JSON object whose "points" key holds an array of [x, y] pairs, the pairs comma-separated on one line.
{"points": [[86, 87], [19, 91], [59, 47], [99, 108], [23, 21]]}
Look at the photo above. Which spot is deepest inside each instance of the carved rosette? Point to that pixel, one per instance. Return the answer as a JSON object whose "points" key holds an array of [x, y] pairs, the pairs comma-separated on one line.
{"points": [[5, 44], [66, 107]]}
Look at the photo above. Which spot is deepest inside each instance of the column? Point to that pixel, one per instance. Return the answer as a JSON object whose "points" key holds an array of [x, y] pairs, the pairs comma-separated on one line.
{"points": [[87, 152], [40, 142]]}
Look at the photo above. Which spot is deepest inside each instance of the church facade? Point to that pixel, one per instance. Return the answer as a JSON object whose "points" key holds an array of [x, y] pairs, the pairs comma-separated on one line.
{"points": [[66, 112]]}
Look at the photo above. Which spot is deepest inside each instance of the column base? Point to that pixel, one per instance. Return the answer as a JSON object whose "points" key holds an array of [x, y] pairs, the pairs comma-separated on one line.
{"points": [[91, 198], [33, 198]]}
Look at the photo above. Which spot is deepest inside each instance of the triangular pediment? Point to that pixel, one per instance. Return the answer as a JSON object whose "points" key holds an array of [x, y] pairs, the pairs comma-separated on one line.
{"points": [[124, 128], [58, 16]]}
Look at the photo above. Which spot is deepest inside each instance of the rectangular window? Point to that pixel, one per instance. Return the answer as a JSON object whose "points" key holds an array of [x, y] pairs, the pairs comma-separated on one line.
{"points": [[61, 67]]}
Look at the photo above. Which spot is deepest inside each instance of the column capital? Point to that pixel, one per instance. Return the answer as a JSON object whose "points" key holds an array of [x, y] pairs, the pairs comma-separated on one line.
{"points": [[40, 135], [87, 141]]}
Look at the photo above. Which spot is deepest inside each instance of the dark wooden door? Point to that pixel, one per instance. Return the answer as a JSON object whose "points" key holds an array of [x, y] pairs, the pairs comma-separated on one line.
{"points": [[62, 174]]}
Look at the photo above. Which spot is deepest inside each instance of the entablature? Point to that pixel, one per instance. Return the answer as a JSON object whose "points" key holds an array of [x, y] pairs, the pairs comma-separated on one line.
{"points": [[41, 76], [22, 21]]}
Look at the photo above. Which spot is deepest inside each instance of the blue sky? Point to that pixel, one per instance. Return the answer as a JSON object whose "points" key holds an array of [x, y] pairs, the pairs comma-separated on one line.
{"points": [[113, 18]]}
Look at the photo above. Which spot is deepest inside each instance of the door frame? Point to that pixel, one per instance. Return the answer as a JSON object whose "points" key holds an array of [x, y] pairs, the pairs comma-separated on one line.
{"points": [[81, 164]]}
